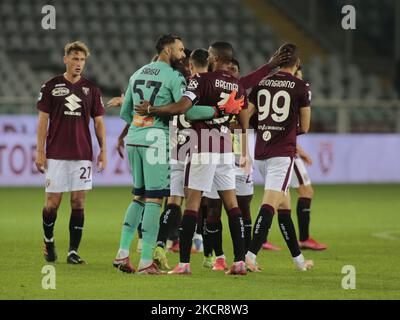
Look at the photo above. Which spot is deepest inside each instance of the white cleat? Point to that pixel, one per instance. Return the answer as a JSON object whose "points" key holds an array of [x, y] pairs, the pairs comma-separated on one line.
{"points": [[306, 265]]}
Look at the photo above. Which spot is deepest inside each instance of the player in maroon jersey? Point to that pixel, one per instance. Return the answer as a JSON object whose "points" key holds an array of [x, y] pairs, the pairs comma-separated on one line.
{"points": [[282, 103], [64, 146], [208, 162]]}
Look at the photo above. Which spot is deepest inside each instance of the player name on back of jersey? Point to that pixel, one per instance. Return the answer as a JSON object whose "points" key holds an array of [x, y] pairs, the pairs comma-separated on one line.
{"points": [[150, 71], [226, 85], [277, 83]]}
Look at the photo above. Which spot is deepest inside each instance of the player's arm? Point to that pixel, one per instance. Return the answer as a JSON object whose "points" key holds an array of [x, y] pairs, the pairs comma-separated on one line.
{"points": [[253, 78], [41, 161], [116, 101], [304, 120], [243, 118], [100, 130], [168, 110], [303, 155], [120, 143], [127, 106]]}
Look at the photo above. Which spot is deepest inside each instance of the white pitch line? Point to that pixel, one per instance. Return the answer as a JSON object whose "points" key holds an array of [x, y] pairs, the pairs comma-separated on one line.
{"points": [[386, 235]]}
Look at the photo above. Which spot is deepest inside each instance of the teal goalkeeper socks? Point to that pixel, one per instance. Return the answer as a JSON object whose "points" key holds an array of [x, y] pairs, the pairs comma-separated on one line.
{"points": [[133, 217], [150, 226]]}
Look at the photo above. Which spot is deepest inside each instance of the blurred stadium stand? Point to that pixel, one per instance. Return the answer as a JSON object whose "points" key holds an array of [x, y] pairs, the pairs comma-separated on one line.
{"points": [[350, 94]]}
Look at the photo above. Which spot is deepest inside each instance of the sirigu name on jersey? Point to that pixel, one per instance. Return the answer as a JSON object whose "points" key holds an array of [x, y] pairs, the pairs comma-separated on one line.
{"points": [[226, 85], [278, 83], [150, 71]]}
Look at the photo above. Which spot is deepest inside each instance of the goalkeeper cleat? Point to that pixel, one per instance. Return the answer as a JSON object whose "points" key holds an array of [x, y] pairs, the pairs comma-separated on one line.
{"points": [[232, 106], [184, 270], [73, 258], [237, 268], [124, 265], [310, 243], [208, 262], [306, 265], [220, 264], [151, 270], [160, 258], [50, 254]]}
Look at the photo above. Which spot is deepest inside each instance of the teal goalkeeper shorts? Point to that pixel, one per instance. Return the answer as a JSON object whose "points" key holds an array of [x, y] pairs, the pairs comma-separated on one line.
{"points": [[150, 171]]}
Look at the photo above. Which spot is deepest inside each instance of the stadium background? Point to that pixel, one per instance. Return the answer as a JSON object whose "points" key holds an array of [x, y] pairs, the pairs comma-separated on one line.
{"points": [[355, 130]]}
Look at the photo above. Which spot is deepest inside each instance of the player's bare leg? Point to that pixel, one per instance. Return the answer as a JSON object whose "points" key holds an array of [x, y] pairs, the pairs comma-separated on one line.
{"points": [[133, 217], [49, 216], [76, 223], [305, 194], [236, 228], [150, 227]]}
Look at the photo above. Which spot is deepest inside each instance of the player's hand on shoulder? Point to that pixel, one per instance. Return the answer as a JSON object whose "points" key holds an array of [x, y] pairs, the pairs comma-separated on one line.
{"points": [[41, 161], [101, 161], [142, 109], [116, 102]]}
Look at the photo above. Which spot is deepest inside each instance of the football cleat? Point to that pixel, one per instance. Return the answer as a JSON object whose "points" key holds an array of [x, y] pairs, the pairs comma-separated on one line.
{"points": [[220, 264], [124, 265], [151, 270], [160, 259], [269, 246], [237, 268], [50, 254], [185, 270], [208, 262], [252, 266], [310, 243], [73, 258], [175, 247], [306, 265]]}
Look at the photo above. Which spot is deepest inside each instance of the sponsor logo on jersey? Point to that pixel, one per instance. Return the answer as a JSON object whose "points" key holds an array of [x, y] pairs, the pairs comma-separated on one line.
{"points": [[59, 92], [40, 96], [72, 104], [85, 90], [59, 85]]}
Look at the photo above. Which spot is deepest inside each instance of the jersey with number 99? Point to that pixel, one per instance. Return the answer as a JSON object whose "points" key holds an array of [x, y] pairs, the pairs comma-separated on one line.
{"points": [[278, 99]]}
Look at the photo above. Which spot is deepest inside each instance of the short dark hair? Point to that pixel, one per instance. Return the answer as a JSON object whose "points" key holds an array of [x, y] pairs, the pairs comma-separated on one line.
{"points": [[223, 50], [294, 54], [199, 57], [164, 40], [236, 63]]}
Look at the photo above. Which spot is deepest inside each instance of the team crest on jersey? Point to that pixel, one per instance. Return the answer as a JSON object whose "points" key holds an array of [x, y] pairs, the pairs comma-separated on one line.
{"points": [[267, 135], [193, 84], [326, 157], [85, 90], [59, 92]]}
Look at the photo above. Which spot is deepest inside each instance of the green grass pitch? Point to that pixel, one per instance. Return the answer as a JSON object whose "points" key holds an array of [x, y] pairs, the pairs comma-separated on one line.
{"points": [[360, 223]]}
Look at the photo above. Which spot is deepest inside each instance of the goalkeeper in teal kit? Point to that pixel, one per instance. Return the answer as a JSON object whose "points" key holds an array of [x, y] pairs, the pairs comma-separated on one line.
{"points": [[147, 146]]}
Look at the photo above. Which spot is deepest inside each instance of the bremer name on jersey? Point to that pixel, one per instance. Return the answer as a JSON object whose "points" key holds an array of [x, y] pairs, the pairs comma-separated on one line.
{"points": [[278, 99], [213, 89], [70, 107]]}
